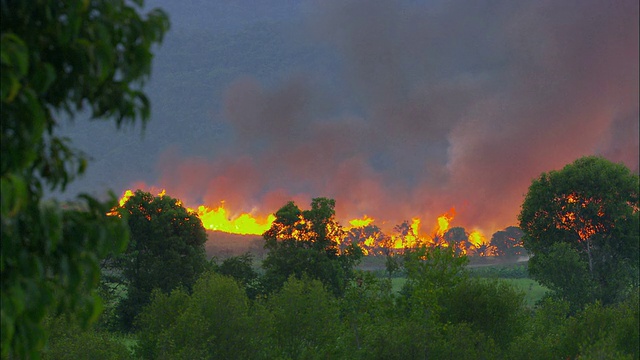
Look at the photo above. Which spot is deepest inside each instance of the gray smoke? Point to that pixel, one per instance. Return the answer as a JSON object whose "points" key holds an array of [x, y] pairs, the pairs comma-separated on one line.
{"points": [[446, 104]]}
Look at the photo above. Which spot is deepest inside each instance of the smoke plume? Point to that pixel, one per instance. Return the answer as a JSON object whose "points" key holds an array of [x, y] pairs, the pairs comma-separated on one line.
{"points": [[446, 104]]}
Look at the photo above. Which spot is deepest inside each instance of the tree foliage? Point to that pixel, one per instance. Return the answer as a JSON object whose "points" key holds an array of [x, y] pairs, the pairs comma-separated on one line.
{"points": [[59, 58], [68, 340], [166, 249], [441, 314], [214, 322], [592, 206], [305, 320], [307, 242], [241, 268], [508, 242]]}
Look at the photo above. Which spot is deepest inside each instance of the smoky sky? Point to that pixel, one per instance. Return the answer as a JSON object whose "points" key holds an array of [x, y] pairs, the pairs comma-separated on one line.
{"points": [[430, 105]]}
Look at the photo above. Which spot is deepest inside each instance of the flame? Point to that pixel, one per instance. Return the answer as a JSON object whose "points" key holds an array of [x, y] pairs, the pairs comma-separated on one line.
{"points": [[370, 241], [477, 239], [443, 222], [570, 218], [365, 221], [398, 243], [220, 218], [125, 197]]}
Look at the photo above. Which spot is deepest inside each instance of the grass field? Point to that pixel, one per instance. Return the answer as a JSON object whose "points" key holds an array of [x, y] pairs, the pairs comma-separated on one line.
{"points": [[531, 289]]}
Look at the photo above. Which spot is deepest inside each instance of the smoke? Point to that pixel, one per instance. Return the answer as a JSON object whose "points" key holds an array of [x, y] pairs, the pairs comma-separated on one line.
{"points": [[446, 104]]}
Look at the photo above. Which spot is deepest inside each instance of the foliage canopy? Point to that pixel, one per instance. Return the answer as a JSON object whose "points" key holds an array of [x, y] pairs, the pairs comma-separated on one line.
{"points": [[59, 58], [307, 242], [166, 249], [586, 214]]}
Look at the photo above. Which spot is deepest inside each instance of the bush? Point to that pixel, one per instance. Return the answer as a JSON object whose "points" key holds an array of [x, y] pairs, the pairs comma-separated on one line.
{"points": [[67, 340], [213, 323]]}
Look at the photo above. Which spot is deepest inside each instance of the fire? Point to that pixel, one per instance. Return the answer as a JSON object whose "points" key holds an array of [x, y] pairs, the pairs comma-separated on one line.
{"points": [[443, 222], [411, 240], [365, 221], [570, 219], [218, 219], [125, 197], [372, 240], [477, 239]]}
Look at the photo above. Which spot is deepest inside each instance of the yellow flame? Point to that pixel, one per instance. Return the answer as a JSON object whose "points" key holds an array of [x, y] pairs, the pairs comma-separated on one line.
{"points": [[125, 197], [218, 220], [365, 221], [221, 219], [443, 222], [370, 241], [477, 239]]}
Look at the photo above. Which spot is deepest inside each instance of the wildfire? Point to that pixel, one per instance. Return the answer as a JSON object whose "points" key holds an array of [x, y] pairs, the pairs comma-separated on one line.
{"points": [[573, 205], [125, 197], [371, 239], [218, 219], [443, 222], [477, 239], [365, 221]]}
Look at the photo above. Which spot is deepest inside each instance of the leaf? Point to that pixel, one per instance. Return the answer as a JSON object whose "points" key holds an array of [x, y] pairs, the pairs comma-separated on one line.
{"points": [[14, 194]]}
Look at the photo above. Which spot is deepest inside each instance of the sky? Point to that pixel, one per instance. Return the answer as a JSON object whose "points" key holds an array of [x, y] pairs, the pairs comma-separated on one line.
{"points": [[403, 109]]}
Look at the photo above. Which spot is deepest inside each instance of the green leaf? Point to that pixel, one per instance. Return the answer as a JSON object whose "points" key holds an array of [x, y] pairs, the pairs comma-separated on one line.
{"points": [[14, 194]]}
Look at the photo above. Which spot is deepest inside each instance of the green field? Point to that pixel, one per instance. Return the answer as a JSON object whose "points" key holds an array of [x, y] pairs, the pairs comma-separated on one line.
{"points": [[533, 291]]}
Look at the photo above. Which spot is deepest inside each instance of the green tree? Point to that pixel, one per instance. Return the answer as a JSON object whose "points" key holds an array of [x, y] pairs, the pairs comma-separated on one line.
{"points": [[490, 307], [68, 340], [166, 250], [241, 268], [306, 242], [592, 206], [59, 58], [214, 322], [595, 332], [365, 308], [157, 322], [306, 320]]}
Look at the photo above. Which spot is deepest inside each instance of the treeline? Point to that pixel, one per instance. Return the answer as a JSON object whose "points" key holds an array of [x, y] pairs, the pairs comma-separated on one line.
{"points": [[373, 241], [307, 301], [440, 313]]}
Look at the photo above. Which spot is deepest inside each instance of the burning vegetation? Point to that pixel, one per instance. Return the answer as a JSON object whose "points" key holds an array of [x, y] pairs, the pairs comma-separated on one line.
{"points": [[365, 233]]}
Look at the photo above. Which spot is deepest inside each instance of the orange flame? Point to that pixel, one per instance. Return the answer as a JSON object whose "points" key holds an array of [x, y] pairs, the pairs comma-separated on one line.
{"points": [[221, 219], [245, 223], [570, 218], [218, 219], [477, 239], [443, 222]]}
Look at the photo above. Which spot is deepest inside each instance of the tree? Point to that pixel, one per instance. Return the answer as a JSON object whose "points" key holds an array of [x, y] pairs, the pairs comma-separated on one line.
{"points": [[369, 238], [59, 58], [166, 249], [306, 242], [491, 307], [458, 239], [508, 242], [592, 206], [306, 320], [68, 340], [214, 322], [241, 268]]}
